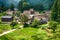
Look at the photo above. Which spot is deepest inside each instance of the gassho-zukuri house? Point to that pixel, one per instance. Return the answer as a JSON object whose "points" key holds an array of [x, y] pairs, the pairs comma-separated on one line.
{"points": [[32, 14], [6, 18]]}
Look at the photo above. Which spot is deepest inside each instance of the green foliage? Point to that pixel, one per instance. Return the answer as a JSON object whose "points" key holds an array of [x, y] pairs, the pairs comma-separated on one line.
{"points": [[2, 6], [5, 27], [2, 14], [17, 26], [53, 25], [20, 38], [12, 7], [1, 30], [20, 5], [20, 34], [23, 5], [26, 6], [13, 24], [0, 22], [40, 35], [26, 25], [4, 38], [23, 18], [29, 34], [18, 13], [43, 26], [55, 15]]}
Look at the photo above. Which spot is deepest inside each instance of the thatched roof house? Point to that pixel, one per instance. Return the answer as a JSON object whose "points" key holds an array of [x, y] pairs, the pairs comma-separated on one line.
{"points": [[7, 18], [36, 15]]}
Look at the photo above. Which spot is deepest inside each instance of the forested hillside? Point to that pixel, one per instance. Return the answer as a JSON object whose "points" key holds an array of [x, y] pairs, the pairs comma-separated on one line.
{"points": [[46, 3]]}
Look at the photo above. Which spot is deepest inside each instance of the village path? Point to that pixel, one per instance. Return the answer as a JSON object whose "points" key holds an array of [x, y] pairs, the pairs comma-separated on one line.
{"points": [[7, 32]]}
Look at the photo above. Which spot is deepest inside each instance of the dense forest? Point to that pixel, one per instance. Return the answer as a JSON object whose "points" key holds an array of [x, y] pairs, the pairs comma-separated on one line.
{"points": [[45, 3]]}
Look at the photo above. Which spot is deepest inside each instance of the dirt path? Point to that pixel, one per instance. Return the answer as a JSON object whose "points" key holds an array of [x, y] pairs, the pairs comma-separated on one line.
{"points": [[7, 32]]}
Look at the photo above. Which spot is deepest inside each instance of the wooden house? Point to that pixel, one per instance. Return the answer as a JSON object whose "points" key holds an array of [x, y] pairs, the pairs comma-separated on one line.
{"points": [[6, 18], [32, 14]]}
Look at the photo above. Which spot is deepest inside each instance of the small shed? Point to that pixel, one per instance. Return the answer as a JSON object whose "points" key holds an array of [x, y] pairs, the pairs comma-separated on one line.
{"points": [[7, 18]]}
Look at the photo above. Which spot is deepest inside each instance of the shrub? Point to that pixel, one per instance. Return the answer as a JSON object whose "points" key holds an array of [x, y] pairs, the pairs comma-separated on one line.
{"points": [[58, 20], [0, 22], [17, 26], [23, 19], [53, 25], [44, 26], [13, 24], [35, 24], [26, 25]]}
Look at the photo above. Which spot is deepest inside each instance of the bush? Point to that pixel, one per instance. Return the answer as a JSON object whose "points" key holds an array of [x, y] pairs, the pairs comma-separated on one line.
{"points": [[13, 24], [0, 22], [26, 25], [53, 25], [58, 20], [44, 26], [17, 26]]}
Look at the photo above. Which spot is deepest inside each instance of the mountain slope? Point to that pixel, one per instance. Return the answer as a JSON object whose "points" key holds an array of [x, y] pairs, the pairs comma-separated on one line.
{"points": [[45, 3]]}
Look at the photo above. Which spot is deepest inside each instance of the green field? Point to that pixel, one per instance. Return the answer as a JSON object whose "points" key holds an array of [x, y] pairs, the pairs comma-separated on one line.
{"points": [[24, 33]]}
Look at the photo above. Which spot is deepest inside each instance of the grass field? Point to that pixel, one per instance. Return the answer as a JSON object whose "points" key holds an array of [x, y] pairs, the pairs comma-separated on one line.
{"points": [[29, 33], [20, 33]]}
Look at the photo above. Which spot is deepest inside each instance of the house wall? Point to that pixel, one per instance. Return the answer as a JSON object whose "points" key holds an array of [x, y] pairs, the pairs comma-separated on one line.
{"points": [[7, 19]]}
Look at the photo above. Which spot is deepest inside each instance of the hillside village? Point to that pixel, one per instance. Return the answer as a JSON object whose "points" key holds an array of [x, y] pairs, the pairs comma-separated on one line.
{"points": [[31, 14], [30, 20]]}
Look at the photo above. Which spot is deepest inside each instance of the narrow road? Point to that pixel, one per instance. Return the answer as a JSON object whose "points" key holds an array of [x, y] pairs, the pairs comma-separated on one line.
{"points": [[7, 32]]}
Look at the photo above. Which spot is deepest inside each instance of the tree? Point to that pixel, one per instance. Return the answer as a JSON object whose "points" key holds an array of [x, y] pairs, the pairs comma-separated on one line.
{"points": [[13, 24], [12, 7], [39, 7], [55, 15], [35, 23], [23, 19], [23, 5], [20, 5], [2, 7]]}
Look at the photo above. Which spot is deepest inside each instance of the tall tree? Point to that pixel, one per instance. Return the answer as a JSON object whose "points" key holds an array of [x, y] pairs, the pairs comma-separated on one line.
{"points": [[26, 6], [12, 7], [2, 7], [20, 5], [55, 15], [23, 18], [23, 5]]}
